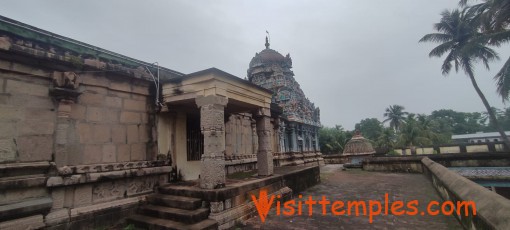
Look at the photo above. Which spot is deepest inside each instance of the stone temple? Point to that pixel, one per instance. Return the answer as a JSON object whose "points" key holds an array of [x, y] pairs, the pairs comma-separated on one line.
{"points": [[89, 136], [91, 139]]}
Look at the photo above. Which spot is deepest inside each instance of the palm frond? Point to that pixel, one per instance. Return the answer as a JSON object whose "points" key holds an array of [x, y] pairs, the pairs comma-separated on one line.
{"points": [[447, 63], [436, 37], [498, 38], [502, 79], [439, 50]]}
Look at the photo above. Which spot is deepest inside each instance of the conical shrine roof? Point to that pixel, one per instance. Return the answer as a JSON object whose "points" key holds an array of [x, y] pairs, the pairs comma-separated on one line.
{"points": [[358, 145]]}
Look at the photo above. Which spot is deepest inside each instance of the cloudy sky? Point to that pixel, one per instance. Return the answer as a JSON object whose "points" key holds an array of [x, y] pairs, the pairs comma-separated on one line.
{"points": [[352, 58]]}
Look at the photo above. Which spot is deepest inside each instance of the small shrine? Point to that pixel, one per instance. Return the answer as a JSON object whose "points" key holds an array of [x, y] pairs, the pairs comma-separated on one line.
{"points": [[358, 145]]}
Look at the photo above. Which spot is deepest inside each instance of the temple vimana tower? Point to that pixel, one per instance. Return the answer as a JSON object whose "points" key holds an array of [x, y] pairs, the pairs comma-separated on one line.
{"points": [[300, 121]]}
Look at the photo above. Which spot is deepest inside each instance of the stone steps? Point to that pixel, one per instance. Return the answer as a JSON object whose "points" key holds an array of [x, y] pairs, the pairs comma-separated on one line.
{"points": [[181, 202], [165, 211], [176, 214], [153, 223], [176, 191]]}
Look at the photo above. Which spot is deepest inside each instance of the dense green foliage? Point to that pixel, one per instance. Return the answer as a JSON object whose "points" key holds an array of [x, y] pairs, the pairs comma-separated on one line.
{"points": [[416, 130]]}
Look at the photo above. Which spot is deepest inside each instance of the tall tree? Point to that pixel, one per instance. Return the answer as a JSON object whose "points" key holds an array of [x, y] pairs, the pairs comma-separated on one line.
{"points": [[494, 18], [332, 140], [411, 134], [395, 114], [463, 45], [386, 140], [370, 128]]}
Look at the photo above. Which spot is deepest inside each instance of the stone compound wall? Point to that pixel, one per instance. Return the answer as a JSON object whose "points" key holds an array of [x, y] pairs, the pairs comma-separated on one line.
{"points": [[487, 147], [63, 162], [492, 210], [413, 163]]}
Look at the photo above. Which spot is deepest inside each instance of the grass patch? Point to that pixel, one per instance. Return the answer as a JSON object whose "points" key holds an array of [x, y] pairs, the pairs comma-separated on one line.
{"points": [[241, 175]]}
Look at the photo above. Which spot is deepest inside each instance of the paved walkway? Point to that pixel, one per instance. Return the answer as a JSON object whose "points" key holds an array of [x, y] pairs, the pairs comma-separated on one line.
{"points": [[361, 185]]}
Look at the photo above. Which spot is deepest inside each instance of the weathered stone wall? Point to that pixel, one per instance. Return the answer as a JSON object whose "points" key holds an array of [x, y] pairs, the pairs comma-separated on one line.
{"points": [[28, 115], [109, 122], [393, 164], [240, 135], [69, 153], [492, 210], [336, 158], [27, 129]]}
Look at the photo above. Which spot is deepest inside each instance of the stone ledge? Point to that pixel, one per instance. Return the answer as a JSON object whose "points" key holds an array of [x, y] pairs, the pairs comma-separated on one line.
{"points": [[22, 169], [80, 169], [40, 164], [492, 209], [25, 208], [91, 210], [17, 182], [104, 176], [240, 161], [57, 217], [31, 222]]}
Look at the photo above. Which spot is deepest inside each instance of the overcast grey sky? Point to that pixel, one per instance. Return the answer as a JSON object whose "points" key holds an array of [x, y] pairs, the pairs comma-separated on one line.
{"points": [[352, 58]]}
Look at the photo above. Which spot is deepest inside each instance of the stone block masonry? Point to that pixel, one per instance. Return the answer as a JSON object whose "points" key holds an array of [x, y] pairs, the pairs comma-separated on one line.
{"points": [[109, 121], [26, 130], [76, 141]]}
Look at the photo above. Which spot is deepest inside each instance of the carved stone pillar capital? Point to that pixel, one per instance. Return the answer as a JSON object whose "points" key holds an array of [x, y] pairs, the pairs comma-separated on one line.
{"points": [[262, 112], [65, 86]]}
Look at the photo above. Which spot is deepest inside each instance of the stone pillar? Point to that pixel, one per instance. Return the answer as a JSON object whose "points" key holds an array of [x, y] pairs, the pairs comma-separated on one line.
{"points": [[317, 146], [282, 139], [310, 142], [255, 140], [63, 113], [228, 137], [293, 139], [286, 139], [212, 171], [264, 156]]}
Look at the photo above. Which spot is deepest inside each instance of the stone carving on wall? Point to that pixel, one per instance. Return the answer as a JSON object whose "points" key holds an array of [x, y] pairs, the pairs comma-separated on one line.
{"points": [[141, 185], [65, 85], [108, 191], [67, 80]]}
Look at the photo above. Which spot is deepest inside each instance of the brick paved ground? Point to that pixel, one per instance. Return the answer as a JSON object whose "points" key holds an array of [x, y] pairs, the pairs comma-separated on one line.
{"points": [[361, 185]]}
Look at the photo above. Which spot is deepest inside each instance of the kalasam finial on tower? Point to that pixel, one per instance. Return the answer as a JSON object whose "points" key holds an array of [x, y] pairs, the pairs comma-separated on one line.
{"points": [[267, 40]]}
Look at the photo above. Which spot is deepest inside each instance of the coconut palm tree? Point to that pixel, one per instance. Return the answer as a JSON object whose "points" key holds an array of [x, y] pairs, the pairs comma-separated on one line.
{"points": [[463, 45], [494, 14], [411, 134], [395, 114], [494, 18]]}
